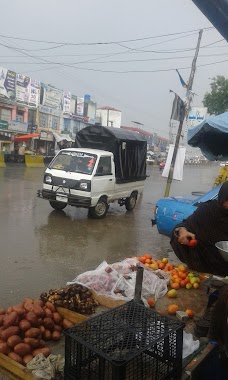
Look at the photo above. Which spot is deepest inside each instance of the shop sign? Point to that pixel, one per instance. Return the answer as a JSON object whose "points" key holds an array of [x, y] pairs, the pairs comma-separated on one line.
{"points": [[3, 124], [52, 97], [34, 93], [18, 126], [66, 102], [22, 88], [7, 83], [80, 106], [46, 136]]}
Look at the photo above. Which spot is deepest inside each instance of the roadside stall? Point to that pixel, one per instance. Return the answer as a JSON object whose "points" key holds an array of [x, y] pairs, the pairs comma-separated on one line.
{"points": [[166, 309]]}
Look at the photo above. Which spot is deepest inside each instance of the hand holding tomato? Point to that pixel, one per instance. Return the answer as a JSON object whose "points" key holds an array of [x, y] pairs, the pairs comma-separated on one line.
{"points": [[192, 243], [185, 236]]}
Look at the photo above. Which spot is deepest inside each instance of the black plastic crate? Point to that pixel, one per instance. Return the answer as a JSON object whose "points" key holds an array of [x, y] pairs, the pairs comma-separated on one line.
{"points": [[128, 342]]}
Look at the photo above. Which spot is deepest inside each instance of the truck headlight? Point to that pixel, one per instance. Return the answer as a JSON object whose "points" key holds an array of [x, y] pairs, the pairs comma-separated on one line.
{"points": [[84, 185], [48, 178]]}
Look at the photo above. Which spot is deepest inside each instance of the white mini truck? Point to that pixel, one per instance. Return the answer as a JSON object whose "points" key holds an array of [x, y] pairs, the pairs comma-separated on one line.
{"points": [[107, 165]]}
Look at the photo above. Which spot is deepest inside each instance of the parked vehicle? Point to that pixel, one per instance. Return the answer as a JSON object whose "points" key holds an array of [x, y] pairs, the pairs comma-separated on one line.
{"points": [[170, 211], [107, 165]]}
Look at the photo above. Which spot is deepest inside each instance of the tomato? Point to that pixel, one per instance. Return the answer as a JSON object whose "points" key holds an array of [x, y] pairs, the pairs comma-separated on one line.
{"points": [[193, 243]]}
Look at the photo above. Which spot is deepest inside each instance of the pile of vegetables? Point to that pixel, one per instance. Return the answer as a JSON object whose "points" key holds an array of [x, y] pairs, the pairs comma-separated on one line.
{"points": [[25, 329], [73, 297]]}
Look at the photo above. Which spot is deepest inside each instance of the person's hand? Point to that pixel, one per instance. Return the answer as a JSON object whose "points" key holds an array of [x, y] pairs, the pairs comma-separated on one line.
{"points": [[185, 236]]}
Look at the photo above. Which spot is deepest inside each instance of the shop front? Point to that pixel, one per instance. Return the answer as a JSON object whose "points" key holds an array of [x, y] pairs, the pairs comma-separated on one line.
{"points": [[6, 143], [45, 144]]}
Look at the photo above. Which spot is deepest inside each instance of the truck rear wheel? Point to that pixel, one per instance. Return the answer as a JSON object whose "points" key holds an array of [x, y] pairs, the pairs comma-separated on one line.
{"points": [[100, 210], [130, 202], [57, 205]]}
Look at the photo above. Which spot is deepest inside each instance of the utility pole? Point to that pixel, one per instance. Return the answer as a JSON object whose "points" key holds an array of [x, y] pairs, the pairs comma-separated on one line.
{"points": [[189, 89]]}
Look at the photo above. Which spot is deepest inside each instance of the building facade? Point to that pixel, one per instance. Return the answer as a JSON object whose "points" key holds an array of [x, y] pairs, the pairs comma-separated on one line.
{"points": [[108, 117]]}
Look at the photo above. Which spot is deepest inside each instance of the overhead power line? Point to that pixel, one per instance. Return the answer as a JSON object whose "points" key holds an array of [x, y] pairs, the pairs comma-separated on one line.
{"points": [[101, 43]]}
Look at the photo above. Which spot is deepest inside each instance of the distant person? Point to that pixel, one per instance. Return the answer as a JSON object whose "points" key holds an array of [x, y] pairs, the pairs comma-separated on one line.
{"points": [[208, 225], [21, 150], [41, 150]]}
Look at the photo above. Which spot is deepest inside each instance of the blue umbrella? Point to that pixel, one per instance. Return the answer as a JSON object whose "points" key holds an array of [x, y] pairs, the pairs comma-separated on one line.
{"points": [[211, 136]]}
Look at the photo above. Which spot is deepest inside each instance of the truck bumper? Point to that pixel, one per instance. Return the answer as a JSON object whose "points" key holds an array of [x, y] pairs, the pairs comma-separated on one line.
{"points": [[72, 200]]}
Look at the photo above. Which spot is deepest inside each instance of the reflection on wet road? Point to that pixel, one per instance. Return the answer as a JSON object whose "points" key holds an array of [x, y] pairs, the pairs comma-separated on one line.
{"points": [[43, 249]]}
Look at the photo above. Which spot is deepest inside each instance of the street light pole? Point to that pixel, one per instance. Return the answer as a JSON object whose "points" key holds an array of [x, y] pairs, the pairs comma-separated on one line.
{"points": [[189, 88]]}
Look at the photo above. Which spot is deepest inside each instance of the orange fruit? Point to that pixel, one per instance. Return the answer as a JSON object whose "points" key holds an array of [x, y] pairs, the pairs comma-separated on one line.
{"points": [[175, 285], [182, 284], [147, 265], [172, 309], [188, 286], [190, 313], [196, 285], [148, 261], [147, 256], [182, 275], [142, 259], [186, 280], [172, 293], [151, 302], [161, 265], [182, 268]]}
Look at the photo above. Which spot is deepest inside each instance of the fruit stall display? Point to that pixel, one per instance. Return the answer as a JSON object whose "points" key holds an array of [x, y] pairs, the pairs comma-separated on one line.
{"points": [[185, 288]]}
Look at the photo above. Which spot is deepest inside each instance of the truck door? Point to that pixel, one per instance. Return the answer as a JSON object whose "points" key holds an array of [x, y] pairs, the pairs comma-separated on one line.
{"points": [[104, 178]]}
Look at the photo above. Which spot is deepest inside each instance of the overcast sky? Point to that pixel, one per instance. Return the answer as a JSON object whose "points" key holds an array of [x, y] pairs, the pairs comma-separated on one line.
{"points": [[141, 96]]}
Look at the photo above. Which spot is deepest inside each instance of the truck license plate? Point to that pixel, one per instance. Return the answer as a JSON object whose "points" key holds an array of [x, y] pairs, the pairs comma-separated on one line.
{"points": [[61, 198]]}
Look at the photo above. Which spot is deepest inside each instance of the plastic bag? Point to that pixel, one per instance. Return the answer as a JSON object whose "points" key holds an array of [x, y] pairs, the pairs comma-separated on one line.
{"points": [[189, 344], [51, 368], [118, 281]]}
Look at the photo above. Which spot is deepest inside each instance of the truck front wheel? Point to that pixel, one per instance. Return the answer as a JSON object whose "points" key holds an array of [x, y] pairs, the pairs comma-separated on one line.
{"points": [[100, 210], [57, 205], [130, 202]]}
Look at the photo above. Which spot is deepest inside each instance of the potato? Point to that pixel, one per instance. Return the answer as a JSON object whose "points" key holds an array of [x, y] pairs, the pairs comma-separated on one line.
{"points": [[34, 343], [32, 333], [14, 356], [3, 348], [22, 349], [11, 319], [28, 306], [42, 343], [2, 312], [67, 324], [42, 329], [28, 300], [45, 351], [10, 331], [58, 328], [40, 313], [13, 340], [55, 336], [47, 335], [48, 313], [27, 359], [19, 310], [39, 302], [32, 318], [2, 317], [57, 318], [48, 324], [2, 328], [9, 309], [24, 325], [50, 306]]}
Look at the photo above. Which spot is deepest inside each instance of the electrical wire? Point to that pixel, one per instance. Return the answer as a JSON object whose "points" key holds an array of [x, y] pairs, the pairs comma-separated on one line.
{"points": [[102, 43]]}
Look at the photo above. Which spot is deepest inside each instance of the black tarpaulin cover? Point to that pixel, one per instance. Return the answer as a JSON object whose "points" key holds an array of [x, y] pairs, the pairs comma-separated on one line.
{"points": [[129, 149]]}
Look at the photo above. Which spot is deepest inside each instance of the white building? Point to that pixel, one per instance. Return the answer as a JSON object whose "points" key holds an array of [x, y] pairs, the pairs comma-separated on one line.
{"points": [[108, 117]]}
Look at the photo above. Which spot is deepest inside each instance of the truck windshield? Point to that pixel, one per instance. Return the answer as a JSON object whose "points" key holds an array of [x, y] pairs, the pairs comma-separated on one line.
{"points": [[78, 162]]}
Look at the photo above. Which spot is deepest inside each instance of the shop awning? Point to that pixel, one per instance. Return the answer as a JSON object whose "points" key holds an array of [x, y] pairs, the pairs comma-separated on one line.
{"points": [[26, 137], [62, 137]]}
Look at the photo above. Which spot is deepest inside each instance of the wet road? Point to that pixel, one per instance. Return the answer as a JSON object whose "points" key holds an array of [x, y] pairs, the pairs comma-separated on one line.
{"points": [[42, 249]]}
